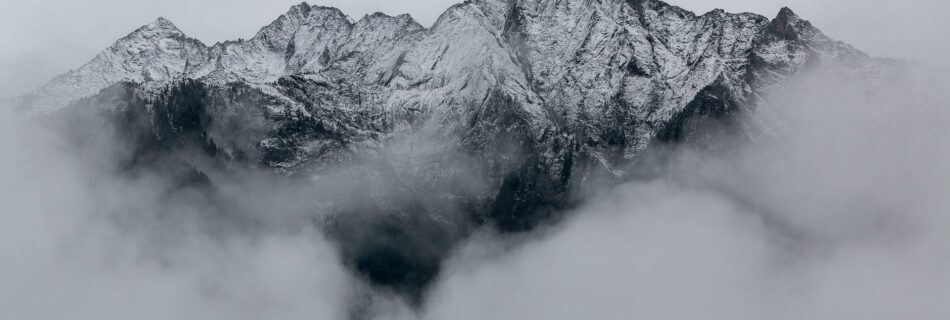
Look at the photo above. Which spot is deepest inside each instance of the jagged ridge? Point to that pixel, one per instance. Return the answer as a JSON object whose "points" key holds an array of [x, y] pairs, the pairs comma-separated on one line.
{"points": [[544, 95]]}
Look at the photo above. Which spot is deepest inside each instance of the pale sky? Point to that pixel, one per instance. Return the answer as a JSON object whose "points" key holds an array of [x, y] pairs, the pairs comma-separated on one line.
{"points": [[43, 38]]}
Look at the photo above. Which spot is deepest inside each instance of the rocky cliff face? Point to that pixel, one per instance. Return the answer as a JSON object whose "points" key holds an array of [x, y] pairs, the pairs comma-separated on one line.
{"points": [[500, 113]]}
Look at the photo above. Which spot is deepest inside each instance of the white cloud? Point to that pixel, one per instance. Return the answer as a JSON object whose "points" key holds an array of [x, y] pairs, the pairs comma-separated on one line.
{"points": [[845, 218]]}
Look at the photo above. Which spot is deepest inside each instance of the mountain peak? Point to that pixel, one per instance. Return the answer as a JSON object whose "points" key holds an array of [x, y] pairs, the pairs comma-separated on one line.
{"points": [[304, 39], [161, 24], [787, 25], [159, 28], [305, 11], [303, 8], [162, 21], [786, 14], [405, 18]]}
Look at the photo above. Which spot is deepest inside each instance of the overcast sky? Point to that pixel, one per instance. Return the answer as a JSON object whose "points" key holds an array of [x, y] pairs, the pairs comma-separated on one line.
{"points": [[43, 38]]}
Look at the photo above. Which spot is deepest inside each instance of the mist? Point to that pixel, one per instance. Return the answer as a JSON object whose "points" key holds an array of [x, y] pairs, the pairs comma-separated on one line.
{"points": [[839, 211], [837, 208], [81, 242]]}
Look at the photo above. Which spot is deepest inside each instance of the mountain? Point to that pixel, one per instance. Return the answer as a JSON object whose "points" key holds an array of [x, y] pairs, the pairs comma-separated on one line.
{"points": [[502, 113]]}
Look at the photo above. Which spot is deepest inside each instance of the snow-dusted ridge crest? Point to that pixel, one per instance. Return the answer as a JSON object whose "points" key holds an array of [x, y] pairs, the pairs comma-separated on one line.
{"points": [[601, 79], [159, 51], [504, 112], [598, 78]]}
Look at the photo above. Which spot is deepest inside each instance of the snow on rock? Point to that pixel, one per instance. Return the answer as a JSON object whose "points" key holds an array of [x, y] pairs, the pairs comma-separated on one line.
{"points": [[577, 78], [503, 111], [157, 51]]}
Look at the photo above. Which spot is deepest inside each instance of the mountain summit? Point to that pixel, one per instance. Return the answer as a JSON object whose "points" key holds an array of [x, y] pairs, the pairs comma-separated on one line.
{"points": [[531, 100]]}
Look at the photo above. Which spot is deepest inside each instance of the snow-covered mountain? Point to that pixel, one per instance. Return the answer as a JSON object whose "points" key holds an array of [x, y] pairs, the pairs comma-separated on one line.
{"points": [[616, 64], [538, 96]]}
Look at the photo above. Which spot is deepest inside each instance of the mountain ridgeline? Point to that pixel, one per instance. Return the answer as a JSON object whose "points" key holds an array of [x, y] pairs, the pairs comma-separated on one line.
{"points": [[502, 114]]}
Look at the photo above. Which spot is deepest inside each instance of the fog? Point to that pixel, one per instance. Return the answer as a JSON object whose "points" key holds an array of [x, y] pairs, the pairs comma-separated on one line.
{"points": [[837, 212], [839, 209], [842, 214], [78, 242]]}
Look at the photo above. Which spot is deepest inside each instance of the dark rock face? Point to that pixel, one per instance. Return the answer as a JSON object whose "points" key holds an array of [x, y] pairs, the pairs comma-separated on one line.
{"points": [[499, 115], [786, 25], [713, 114]]}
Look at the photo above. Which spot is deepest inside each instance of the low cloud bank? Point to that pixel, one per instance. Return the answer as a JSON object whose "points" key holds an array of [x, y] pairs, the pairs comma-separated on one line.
{"points": [[839, 211], [79, 242]]}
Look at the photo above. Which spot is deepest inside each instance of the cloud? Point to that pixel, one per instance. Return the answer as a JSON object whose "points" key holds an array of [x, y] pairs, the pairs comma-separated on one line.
{"points": [[79, 242], [651, 251], [842, 215]]}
